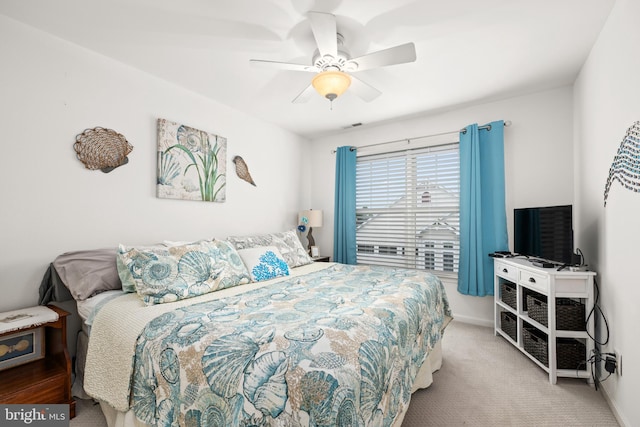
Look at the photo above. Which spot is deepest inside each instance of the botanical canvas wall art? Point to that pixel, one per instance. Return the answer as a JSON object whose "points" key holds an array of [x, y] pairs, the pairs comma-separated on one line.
{"points": [[191, 163]]}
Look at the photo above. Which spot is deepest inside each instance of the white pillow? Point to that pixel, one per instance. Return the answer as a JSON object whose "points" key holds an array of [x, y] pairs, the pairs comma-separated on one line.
{"points": [[287, 243], [264, 262]]}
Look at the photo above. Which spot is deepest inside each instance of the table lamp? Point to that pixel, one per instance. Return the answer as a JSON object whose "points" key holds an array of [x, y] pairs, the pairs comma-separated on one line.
{"points": [[311, 218]]}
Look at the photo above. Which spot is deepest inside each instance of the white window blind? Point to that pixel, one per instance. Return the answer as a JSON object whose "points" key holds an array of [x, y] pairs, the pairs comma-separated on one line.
{"points": [[408, 208]]}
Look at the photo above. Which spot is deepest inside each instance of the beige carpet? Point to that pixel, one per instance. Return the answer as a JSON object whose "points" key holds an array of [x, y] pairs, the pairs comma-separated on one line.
{"points": [[484, 381], [88, 414]]}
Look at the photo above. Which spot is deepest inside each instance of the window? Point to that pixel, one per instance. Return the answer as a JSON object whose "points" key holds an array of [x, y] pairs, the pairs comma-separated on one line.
{"points": [[390, 250], [408, 208], [365, 249], [448, 257], [429, 256]]}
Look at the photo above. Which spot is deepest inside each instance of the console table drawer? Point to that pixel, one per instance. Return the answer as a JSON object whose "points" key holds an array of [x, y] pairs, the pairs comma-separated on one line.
{"points": [[506, 271], [534, 281], [574, 285]]}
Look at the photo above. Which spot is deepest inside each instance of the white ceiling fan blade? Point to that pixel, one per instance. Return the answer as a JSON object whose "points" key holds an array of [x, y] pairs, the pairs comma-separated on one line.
{"points": [[394, 55], [305, 95], [283, 65], [323, 26], [364, 90]]}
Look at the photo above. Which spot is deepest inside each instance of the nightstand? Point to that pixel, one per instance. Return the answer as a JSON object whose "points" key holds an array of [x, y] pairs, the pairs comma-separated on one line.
{"points": [[45, 379], [321, 258]]}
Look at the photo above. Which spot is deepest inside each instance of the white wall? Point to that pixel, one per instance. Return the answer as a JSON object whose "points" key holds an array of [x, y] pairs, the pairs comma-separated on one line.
{"points": [[50, 91], [607, 103], [538, 164]]}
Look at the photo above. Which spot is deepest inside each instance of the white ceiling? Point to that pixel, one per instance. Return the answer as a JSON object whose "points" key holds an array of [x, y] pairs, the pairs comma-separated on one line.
{"points": [[468, 51]]}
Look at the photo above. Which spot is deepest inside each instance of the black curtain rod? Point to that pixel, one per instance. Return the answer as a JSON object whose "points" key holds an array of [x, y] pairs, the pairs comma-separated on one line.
{"points": [[463, 130]]}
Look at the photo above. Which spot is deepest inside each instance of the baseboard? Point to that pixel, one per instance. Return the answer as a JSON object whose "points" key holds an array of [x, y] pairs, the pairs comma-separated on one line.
{"points": [[614, 409], [473, 320]]}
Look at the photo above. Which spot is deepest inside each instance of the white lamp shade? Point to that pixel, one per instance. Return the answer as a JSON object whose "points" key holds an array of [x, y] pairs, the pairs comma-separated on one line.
{"points": [[314, 217]]}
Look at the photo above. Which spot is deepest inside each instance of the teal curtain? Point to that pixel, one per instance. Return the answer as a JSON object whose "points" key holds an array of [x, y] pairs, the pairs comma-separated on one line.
{"points": [[483, 218], [344, 229]]}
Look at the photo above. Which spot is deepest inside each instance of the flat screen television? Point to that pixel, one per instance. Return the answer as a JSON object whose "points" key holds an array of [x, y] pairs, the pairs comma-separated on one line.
{"points": [[545, 233]]}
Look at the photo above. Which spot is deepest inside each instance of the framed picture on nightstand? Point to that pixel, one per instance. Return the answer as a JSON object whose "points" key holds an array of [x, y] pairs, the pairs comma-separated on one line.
{"points": [[21, 347]]}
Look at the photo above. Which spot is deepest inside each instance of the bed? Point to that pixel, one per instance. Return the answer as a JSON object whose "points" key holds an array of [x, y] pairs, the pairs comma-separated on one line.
{"points": [[325, 344]]}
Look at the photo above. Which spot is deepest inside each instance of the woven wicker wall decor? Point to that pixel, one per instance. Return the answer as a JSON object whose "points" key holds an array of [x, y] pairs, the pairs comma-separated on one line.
{"points": [[103, 149]]}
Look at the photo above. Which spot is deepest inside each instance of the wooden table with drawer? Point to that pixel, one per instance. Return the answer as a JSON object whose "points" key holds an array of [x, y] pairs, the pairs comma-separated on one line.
{"points": [[46, 380]]}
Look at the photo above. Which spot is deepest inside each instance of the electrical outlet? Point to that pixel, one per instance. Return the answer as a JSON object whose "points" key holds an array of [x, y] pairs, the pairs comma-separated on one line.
{"points": [[618, 361]]}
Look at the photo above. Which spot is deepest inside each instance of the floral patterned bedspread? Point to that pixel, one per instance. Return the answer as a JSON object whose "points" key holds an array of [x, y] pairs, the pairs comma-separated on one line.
{"points": [[337, 347]]}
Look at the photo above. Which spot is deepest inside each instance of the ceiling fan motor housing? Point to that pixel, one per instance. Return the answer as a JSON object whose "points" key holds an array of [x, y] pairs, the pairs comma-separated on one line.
{"points": [[328, 62]]}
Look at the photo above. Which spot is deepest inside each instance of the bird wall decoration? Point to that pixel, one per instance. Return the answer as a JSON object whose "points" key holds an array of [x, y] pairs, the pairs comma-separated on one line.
{"points": [[242, 170]]}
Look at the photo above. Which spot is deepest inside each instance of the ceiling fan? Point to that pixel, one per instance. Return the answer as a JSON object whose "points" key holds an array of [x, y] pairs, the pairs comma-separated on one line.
{"points": [[333, 64]]}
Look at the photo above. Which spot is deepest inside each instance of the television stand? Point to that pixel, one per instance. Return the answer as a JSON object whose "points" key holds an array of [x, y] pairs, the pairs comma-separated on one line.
{"points": [[545, 314]]}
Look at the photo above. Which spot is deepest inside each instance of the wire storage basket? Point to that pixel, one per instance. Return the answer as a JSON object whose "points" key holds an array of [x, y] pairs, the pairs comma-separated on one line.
{"points": [[509, 324], [570, 314], [536, 343], [508, 294], [570, 352]]}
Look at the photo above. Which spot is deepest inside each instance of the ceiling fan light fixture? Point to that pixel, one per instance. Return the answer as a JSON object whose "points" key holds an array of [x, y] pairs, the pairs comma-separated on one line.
{"points": [[331, 84]]}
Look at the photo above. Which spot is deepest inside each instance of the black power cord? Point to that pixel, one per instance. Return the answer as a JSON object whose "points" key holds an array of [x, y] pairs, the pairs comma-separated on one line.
{"points": [[594, 310], [610, 365], [609, 359]]}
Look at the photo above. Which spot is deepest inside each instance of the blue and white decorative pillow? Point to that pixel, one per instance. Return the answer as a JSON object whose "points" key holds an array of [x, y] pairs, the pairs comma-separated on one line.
{"points": [[167, 274], [264, 263], [127, 264]]}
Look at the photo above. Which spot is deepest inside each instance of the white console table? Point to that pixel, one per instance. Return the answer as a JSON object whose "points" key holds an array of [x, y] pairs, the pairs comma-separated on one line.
{"points": [[520, 276]]}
